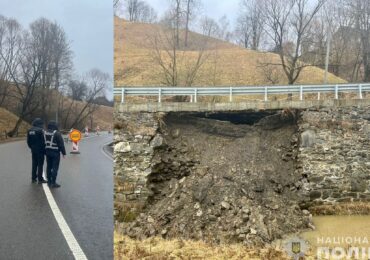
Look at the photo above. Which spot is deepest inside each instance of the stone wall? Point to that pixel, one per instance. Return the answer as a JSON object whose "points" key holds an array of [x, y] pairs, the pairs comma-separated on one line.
{"points": [[136, 137], [334, 154]]}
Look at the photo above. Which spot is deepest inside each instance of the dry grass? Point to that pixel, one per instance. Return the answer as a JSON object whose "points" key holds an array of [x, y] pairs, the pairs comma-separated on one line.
{"points": [[353, 208], [7, 122], [160, 249], [103, 116], [227, 64]]}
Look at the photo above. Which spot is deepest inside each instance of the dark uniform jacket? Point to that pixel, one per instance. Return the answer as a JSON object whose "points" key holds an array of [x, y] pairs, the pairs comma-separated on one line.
{"points": [[35, 137], [54, 140]]}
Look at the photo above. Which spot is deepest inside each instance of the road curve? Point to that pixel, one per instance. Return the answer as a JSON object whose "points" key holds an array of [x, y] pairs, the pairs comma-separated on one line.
{"points": [[28, 228]]}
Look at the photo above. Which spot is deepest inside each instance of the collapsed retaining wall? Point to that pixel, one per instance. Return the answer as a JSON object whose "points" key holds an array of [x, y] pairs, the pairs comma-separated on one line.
{"points": [[326, 157], [135, 140]]}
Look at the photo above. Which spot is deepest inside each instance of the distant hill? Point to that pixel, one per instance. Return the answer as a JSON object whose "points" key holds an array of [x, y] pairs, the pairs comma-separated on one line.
{"points": [[227, 64]]}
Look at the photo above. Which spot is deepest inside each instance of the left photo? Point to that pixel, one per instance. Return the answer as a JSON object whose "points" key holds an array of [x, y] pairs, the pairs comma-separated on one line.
{"points": [[56, 109]]}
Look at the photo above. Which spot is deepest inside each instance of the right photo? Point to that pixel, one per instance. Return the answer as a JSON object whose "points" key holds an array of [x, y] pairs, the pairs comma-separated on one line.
{"points": [[241, 129]]}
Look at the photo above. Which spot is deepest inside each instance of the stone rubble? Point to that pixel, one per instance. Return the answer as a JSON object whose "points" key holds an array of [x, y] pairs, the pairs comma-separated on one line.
{"points": [[200, 178]]}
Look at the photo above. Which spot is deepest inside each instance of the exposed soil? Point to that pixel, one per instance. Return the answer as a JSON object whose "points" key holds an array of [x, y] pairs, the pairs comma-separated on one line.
{"points": [[222, 181]]}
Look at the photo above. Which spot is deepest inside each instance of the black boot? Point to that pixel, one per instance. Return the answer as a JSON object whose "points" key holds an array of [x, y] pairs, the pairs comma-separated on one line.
{"points": [[42, 181], [55, 185]]}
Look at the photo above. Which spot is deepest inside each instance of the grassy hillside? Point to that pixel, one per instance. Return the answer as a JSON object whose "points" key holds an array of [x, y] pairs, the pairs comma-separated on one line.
{"points": [[226, 64], [103, 117], [7, 122]]}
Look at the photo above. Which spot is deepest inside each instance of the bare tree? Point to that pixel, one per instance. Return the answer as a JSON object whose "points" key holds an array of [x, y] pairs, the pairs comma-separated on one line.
{"points": [[165, 55], [24, 74], [360, 10], [10, 34], [242, 32], [115, 3], [61, 58], [177, 67], [336, 21], [190, 8], [35, 66], [133, 8], [78, 89], [138, 11], [270, 72], [176, 14], [341, 45], [224, 24], [119, 8], [209, 27], [149, 15], [97, 82], [250, 23], [50, 43], [289, 26]]}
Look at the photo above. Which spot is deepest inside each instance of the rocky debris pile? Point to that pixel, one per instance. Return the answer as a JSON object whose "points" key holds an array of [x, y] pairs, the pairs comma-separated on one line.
{"points": [[219, 187]]}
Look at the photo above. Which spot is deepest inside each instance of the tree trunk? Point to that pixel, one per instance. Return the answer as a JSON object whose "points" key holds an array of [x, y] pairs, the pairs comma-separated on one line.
{"points": [[14, 131], [178, 24], [187, 23], [366, 68]]}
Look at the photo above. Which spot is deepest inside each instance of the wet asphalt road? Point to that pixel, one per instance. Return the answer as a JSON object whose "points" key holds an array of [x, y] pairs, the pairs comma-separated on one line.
{"points": [[28, 229]]}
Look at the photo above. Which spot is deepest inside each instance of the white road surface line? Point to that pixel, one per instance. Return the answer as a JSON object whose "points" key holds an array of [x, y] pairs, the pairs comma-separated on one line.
{"points": [[67, 233], [105, 152]]}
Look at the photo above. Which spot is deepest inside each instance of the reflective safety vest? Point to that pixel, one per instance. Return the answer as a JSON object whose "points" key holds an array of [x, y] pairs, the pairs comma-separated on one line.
{"points": [[49, 140]]}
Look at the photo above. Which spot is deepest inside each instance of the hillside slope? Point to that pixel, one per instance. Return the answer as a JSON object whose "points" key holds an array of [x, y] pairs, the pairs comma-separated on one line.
{"points": [[226, 63], [102, 116], [7, 122]]}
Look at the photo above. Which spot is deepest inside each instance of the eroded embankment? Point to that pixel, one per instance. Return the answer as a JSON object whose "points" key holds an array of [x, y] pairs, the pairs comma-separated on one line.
{"points": [[223, 178]]}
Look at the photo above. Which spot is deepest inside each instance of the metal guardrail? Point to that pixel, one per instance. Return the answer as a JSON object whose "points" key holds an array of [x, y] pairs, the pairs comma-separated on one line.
{"points": [[240, 91]]}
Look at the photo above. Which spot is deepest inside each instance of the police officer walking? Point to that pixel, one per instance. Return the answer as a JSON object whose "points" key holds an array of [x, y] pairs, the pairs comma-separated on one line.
{"points": [[36, 142], [54, 146]]}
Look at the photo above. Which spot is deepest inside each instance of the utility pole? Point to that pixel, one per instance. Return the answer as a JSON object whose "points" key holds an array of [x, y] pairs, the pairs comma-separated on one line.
{"points": [[57, 109], [327, 55], [326, 58]]}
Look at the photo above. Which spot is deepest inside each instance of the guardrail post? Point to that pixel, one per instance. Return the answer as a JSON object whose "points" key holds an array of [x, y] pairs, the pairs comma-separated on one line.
{"points": [[195, 95], [318, 95], [159, 95], [265, 93], [360, 91], [336, 91], [122, 95], [300, 92], [231, 95]]}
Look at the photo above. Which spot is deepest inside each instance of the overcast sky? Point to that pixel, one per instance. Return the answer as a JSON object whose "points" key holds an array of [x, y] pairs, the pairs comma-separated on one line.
{"points": [[212, 8], [87, 23]]}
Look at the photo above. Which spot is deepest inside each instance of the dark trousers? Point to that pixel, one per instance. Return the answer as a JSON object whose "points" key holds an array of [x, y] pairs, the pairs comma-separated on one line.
{"points": [[37, 165], [52, 167]]}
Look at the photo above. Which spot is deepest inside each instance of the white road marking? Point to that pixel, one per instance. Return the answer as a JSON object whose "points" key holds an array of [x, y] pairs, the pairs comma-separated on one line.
{"points": [[106, 153], [67, 233]]}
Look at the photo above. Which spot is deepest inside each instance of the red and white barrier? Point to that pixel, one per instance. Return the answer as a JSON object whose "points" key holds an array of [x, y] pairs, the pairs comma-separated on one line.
{"points": [[75, 148]]}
